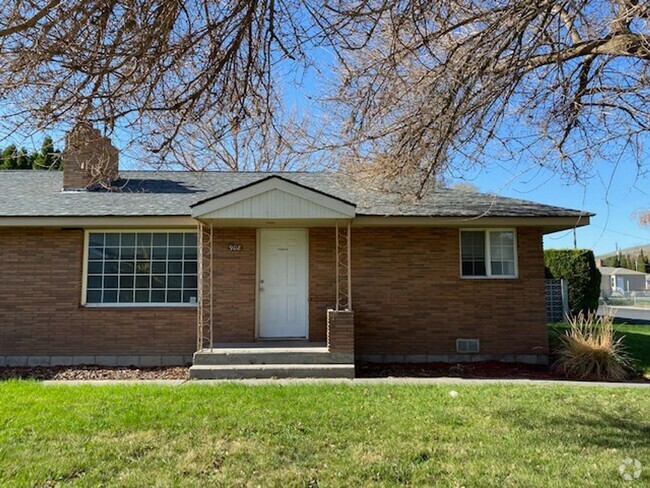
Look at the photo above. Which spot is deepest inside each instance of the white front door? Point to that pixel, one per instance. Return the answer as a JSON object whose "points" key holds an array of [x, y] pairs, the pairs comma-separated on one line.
{"points": [[283, 284]]}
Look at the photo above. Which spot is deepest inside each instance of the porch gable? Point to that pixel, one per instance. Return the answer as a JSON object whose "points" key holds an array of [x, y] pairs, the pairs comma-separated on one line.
{"points": [[273, 198]]}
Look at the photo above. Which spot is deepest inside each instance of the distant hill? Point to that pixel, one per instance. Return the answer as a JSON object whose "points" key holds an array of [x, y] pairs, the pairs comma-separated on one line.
{"points": [[632, 251]]}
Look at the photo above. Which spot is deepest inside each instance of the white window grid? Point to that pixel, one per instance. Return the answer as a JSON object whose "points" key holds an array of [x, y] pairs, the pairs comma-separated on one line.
{"points": [[167, 260]]}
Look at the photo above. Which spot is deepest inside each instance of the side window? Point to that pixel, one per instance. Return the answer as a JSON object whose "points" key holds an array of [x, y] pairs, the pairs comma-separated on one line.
{"points": [[488, 253]]}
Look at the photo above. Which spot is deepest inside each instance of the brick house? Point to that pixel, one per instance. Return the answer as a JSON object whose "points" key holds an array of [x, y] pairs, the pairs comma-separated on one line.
{"points": [[250, 274]]}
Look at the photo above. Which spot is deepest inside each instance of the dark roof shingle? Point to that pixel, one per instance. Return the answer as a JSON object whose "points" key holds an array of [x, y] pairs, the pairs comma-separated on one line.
{"points": [[171, 193]]}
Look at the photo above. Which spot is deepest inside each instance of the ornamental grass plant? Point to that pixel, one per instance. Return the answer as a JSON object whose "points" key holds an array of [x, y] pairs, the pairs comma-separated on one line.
{"points": [[590, 349]]}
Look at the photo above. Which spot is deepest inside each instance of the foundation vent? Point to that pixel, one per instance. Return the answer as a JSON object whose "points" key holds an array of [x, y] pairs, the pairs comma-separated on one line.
{"points": [[466, 346]]}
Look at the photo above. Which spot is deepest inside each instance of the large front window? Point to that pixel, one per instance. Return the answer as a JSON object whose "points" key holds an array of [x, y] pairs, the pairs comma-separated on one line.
{"points": [[488, 253], [141, 268]]}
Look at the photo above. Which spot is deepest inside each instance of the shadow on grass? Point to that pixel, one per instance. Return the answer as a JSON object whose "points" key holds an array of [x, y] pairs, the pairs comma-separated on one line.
{"points": [[28, 373], [590, 427], [638, 345]]}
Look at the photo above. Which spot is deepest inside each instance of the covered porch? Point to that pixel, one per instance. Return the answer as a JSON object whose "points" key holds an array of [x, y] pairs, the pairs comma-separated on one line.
{"points": [[275, 289]]}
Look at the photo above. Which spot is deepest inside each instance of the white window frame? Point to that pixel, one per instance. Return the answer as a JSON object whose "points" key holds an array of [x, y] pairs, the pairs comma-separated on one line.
{"points": [[488, 260], [84, 282]]}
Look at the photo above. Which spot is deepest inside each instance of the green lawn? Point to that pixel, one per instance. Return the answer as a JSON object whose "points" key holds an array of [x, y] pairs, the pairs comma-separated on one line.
{"points": [[636, 340], [325, 435]]}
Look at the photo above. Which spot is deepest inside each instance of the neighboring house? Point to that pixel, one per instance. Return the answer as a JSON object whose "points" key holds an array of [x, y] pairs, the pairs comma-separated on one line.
{"points": [[620, 280], [309, 271]]}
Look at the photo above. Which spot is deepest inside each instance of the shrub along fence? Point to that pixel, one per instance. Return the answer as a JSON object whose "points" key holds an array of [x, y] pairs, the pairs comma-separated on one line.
{"points": [[578, 268]]}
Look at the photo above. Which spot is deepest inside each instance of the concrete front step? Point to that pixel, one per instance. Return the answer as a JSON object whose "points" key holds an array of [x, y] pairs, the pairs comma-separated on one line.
{"points": [[270, 355], [255, 371]]}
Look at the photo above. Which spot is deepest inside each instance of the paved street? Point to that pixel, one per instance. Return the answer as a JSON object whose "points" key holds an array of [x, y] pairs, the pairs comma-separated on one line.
{"points": [[631, 314]]}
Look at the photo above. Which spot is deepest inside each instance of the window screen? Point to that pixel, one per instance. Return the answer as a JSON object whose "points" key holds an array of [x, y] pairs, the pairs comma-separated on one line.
{"points": [[502, 253], [473, 253]]}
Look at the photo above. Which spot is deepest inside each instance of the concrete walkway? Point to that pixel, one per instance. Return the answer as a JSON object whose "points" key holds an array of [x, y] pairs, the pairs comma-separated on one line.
{"points": [[358, 381]]}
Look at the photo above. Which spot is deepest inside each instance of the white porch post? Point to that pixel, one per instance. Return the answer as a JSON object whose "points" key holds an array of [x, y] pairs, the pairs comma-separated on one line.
{"points": [[204, 335]]}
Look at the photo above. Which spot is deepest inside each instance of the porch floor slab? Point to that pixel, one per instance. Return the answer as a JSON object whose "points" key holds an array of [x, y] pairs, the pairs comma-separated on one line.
{"points": [[271, 355], [267, 346], [271, 344]]}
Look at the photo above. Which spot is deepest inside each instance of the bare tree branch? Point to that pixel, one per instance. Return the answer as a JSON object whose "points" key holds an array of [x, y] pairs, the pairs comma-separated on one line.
{"points": [[460, 81], [421, 86], [31, 22]]}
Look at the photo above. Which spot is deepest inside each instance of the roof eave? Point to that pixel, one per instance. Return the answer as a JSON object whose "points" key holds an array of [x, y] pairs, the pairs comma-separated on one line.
{"points": [[549, 224]]}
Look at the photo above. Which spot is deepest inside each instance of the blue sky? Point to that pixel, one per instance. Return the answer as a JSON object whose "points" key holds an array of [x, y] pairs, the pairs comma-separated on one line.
{"points": [[613, 193], [613, 199]]}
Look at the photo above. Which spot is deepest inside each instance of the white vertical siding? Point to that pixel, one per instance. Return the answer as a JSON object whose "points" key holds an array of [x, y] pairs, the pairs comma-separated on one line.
{"points": [[275, 204]]}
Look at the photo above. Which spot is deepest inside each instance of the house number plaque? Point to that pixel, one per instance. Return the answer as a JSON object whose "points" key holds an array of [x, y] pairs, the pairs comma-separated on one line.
{"points": [[234, 247]]}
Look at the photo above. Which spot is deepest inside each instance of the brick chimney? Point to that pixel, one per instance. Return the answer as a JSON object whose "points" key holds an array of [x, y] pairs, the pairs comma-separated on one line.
{"points": [[89, 159]]}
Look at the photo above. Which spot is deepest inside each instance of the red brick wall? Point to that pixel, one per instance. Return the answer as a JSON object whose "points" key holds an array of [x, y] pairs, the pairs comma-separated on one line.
{"points": [[408, 297], [234, 285], [40, 312], [340, 331], [322, 280]]}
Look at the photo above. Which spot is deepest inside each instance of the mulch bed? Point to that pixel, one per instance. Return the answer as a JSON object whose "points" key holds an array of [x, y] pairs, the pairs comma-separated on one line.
{"points": [[93, 373], [479, 369]]}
